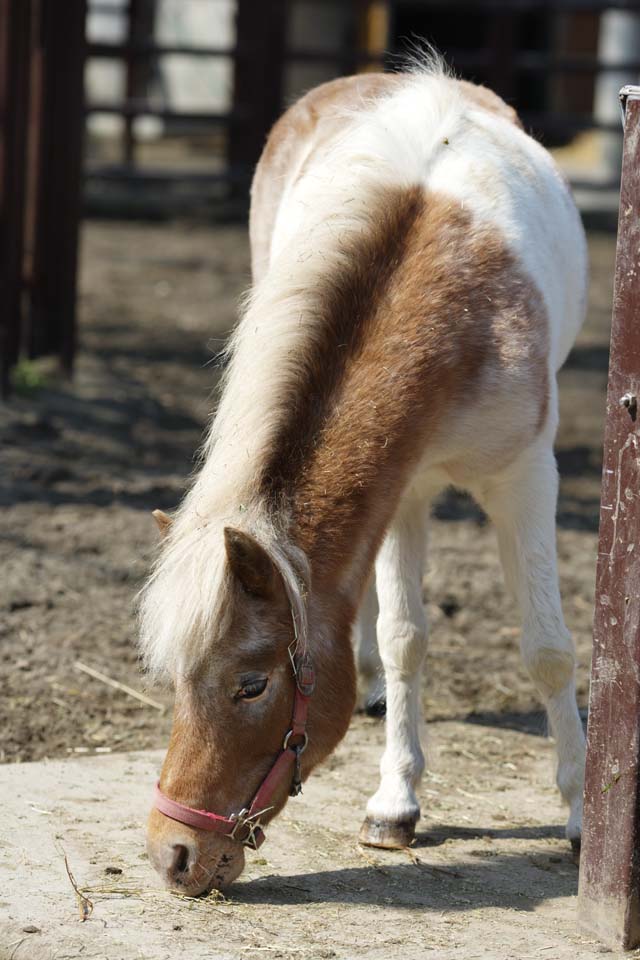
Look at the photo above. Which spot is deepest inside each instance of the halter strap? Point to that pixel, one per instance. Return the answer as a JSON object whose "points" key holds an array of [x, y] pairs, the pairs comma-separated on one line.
{"points": [[245, 826]]}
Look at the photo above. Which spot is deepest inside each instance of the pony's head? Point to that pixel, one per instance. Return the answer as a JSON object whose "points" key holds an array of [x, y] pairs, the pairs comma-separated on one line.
{"points": [[234, 705]]}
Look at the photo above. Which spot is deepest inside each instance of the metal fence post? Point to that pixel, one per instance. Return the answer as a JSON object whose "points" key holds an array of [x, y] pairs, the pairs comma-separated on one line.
{"points": [[57, 203], [258, 79], [609, 893], [15, 26]]}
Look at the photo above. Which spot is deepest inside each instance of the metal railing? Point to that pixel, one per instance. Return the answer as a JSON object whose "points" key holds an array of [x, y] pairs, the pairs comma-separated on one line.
{"points": [[258, 71]]}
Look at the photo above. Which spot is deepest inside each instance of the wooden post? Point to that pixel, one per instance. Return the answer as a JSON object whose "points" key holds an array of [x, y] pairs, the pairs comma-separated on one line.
{"points": [[15, 30], [609, 894]]}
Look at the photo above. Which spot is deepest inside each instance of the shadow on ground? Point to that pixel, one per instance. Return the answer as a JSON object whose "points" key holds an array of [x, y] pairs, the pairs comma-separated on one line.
{"points": [[460, 885]]}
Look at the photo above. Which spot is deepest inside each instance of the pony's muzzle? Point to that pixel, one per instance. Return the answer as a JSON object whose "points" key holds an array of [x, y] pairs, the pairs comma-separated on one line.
{"points": [[192, 862]]}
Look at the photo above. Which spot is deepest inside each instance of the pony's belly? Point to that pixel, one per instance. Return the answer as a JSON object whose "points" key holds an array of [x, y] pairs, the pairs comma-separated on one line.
{"points": [[480, 440]]}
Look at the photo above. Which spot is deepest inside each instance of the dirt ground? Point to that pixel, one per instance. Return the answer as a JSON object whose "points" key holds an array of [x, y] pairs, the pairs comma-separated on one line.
{"points": [[83, 464]]}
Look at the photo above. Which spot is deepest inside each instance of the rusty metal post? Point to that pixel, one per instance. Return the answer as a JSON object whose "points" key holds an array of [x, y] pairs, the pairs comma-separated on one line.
{"points": [[609, 895], [15, 38]]}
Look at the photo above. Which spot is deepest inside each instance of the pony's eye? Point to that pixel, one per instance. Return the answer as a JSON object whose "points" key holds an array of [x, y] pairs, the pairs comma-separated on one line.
{"points": [[252, 690]]}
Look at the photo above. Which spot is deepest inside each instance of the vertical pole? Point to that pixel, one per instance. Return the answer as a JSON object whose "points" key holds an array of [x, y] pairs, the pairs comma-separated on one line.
{"points": [[609, 894], [15, 26], [131, 65], [137, 67], [258, 79], [33, 144], [502, 44], [59, 180], [373, 33]]}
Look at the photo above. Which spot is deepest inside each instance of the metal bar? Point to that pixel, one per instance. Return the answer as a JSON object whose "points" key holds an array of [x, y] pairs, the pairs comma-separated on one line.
{"points": [[151, 175], [33, 144], [523, 6], [108, 8], [132, 86], [144, 49], [502, 42], [142, 107], [609, 893], [511, 5], [128, 145], [526, 61], [564, 123], [229, 174], [53, 294], [258, 71], [534, 62], [15, 40]]}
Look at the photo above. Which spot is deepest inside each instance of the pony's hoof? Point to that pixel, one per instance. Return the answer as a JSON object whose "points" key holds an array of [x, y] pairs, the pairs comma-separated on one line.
{"points": [[376, 708], [575, 848], [391, 834]]}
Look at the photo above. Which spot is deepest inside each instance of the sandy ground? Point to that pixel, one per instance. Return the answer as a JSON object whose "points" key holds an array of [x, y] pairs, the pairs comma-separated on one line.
{"points": [[490, 875], [82, 465]]}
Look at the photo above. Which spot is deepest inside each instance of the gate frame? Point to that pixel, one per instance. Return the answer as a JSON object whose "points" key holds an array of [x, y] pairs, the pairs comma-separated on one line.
{"points": [[42, 57], [15, 34]]}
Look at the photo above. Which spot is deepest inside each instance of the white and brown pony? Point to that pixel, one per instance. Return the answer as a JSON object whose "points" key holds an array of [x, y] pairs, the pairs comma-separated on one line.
{"points": [[419, 276]]}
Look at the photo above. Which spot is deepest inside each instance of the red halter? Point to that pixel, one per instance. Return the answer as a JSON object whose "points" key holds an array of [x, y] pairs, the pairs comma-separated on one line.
{"points": [[245, 826]]}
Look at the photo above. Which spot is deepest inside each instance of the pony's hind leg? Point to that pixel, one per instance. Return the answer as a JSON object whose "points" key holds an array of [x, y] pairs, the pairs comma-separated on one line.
{"points": [[393, 811], [522, 505], [370, 669]]}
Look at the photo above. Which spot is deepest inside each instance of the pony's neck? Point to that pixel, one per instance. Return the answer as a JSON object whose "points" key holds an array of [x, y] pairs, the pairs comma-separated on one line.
{"points": [[341, 453], [402, 329]]}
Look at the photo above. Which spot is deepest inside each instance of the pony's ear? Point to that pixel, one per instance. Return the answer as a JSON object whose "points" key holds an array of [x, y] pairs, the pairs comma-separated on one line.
{"points": [[163, 521], [250, 564]]}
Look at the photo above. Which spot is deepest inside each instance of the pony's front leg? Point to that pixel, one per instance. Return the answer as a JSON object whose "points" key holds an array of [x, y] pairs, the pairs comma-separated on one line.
{"points": [[370, 669], [393, 811]]}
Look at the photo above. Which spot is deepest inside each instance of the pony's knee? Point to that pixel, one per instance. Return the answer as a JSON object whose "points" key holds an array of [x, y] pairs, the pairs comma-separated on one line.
{"points": [[550, 667], [402, 645]]}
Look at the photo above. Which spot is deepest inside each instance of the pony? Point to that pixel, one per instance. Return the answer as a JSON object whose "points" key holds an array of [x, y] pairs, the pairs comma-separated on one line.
{"points": [[419, 276]]}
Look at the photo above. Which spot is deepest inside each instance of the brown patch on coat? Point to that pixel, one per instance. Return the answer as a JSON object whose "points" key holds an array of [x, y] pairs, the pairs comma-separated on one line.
{"points": [[429, 303]]}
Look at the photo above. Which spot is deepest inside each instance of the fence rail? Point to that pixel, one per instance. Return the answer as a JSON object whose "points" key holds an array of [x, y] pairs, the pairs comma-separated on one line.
{"points": [[258, 68], [44, 118]]}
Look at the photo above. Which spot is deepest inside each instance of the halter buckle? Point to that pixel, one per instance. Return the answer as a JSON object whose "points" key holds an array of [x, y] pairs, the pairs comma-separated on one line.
{"points": [[303, 670], [254, 836]]}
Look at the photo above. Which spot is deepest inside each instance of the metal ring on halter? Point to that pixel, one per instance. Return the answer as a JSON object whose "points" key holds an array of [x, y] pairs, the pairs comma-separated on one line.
{"points": [[303, 745], [239, 819]]}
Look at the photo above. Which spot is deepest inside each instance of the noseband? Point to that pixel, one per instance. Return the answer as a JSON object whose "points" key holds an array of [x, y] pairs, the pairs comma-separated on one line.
{"points": [[245, 826]]}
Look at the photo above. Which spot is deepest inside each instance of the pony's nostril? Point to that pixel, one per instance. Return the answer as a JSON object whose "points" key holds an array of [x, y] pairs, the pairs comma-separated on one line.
{"points": [[179, 861]]}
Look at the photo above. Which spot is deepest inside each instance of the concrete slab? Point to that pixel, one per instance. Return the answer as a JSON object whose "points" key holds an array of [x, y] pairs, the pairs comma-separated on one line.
{"points": [[491, 875]]}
